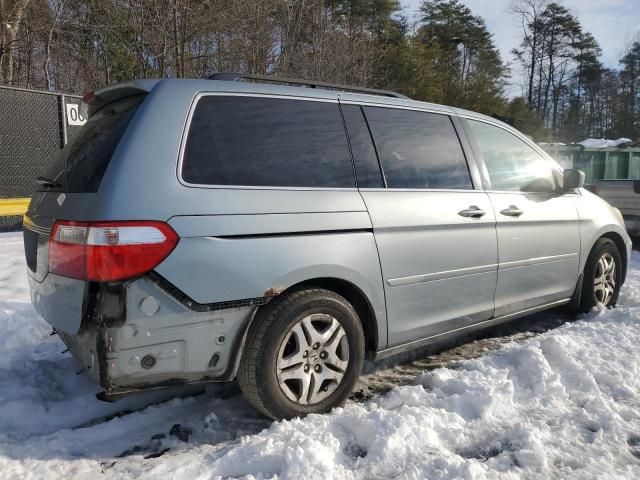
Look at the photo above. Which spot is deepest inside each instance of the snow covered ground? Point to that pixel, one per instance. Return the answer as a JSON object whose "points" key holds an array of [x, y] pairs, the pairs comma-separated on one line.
{"points": [[564, 403]]}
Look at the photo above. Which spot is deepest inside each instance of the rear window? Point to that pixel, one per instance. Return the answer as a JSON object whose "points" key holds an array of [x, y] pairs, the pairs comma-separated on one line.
{"points": [[254, 141], [418, 149], [80, 166]]}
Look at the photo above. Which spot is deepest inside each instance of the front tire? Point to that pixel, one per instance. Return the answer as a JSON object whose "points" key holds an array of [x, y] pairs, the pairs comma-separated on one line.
{"points": [[304, 354], [602, 276]]}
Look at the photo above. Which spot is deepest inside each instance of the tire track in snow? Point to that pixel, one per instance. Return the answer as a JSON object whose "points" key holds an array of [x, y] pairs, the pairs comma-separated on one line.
{"points": [[377, 380]]}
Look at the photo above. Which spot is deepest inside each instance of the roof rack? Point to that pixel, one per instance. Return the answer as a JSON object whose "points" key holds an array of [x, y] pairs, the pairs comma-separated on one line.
{"points": [[236, 77]]}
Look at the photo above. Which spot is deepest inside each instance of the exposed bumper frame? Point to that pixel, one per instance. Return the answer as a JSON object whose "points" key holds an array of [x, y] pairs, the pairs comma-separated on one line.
{"points": [[189, 344]]}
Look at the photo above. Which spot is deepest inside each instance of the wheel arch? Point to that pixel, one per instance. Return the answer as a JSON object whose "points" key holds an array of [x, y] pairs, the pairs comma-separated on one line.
{"points": [[356, 297], [351, 292], [577, 299], [619, 241]]}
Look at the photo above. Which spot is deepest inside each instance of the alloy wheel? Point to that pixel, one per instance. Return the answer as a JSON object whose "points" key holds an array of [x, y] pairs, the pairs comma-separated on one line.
{"points": [[312, 359], [604, 283]]}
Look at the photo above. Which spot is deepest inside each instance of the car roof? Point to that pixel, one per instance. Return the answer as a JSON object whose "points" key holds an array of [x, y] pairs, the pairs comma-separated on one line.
{"points": [[196, 86]]}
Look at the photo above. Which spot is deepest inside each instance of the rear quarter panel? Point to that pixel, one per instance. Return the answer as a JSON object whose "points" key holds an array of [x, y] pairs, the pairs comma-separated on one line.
{"points": [[235, 257]]}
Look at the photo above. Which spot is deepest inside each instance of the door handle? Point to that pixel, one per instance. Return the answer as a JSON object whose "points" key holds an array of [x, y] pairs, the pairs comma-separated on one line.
{"points": [[512, 211], [473, 211]]}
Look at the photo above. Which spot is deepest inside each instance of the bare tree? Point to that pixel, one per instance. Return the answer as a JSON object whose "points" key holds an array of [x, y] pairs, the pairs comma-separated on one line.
{"points": [[58, 7], [529, 14], [11, 15]]}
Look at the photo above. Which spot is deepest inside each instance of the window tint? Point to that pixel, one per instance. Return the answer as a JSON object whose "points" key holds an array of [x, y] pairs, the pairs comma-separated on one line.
{"points": [[511, 163], [418, 149], [267, 142], [364, 154], [80, 166]]}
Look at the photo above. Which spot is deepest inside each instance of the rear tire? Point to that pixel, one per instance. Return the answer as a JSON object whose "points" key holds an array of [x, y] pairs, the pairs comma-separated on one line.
{"points": [[303, 354], [602, 276]]}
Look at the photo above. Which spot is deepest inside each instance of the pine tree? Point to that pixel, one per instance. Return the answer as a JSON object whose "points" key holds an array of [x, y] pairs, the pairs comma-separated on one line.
{"points": [[460, 52], [629, 123]]}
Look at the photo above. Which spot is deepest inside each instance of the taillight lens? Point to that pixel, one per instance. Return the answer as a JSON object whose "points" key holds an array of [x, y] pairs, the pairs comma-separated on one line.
{"points": [[109, 251]]}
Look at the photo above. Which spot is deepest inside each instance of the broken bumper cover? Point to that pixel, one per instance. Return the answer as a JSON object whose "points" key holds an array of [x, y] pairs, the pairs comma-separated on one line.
{"points": [[161, 342]]}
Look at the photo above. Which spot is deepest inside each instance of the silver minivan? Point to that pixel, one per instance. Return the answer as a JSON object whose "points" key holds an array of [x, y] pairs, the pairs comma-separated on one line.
{"points": [[280, 232]]}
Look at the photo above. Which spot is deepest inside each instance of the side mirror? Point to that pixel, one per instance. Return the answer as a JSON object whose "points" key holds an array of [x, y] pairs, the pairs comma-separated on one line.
{"points": [[572, 179]]}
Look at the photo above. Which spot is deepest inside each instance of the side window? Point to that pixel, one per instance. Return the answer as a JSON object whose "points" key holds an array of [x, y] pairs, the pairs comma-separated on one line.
{"points": [[257, 141], [418, 149], [511, 163], [364, 154]]}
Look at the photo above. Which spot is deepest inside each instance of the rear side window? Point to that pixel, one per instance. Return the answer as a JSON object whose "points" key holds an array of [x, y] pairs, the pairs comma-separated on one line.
{"points": [[80, 166], [254, 141], [418, 149]]}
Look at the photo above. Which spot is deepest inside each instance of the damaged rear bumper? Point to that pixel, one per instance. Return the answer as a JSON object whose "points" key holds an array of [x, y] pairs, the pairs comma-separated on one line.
{"points": [[160, 339]]}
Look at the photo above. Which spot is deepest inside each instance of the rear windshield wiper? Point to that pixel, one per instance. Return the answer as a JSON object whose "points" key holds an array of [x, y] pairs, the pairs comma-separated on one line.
{"points": [[47, 182]]}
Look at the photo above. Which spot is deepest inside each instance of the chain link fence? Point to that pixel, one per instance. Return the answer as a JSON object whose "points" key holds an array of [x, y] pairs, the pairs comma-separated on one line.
{"points": [[10, 223], [34, 126]]}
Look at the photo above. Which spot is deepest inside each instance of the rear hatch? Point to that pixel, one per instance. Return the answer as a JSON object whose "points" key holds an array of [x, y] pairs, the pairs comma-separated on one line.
{"points": [[63, 193], [77, 169]]}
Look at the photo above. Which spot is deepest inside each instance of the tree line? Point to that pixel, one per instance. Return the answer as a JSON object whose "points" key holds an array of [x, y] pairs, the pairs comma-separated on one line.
{"points": [[446, 55], [567, 85]]}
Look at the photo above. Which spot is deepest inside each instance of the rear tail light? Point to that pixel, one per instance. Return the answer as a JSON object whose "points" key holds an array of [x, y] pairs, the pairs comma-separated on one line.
{"points": [[109, 251]]}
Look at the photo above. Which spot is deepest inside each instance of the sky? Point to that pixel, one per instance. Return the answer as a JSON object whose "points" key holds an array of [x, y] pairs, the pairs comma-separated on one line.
{"points": [[614, 23]]}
